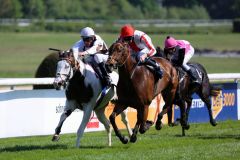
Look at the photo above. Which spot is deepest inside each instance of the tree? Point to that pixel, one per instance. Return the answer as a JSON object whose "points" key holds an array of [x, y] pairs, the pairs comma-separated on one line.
{"points": [[10, 9], [220, 9], [33, 8], [150, 8], [181, 3]]}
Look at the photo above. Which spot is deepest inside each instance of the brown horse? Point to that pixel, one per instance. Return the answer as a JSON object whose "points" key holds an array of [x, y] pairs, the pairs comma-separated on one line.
{"points": [[137, 87]]}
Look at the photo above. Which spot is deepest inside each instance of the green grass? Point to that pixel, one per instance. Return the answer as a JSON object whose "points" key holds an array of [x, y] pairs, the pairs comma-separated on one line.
{"points": [[219, 65], [202, 142], [21, 53]]}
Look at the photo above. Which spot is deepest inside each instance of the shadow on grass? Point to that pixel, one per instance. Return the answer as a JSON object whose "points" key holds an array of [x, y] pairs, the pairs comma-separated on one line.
{"points": [[32, 147], [93, 147], [103, 147], [202, 136], [229, 136]]}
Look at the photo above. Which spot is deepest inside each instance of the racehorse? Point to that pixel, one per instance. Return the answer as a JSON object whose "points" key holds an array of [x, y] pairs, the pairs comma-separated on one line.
{"points": [[137, 87], [82, 92], [187, 88]]}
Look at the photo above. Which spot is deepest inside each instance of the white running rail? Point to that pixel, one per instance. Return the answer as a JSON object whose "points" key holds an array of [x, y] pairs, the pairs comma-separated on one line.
{"points": [[47, 81]]}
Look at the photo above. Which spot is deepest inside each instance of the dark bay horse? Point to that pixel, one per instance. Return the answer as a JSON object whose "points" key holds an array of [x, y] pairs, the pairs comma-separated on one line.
{"points": [[138, 86], [187, 88], [82, 91]]}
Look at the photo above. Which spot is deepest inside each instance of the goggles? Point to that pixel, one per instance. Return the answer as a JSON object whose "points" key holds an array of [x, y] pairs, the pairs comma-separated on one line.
{"points": [[127, 39], [87, 39]]}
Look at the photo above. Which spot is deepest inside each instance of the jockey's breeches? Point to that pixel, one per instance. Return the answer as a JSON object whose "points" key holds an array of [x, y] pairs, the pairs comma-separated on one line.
{"points": [[187, 57], [99, 58]]}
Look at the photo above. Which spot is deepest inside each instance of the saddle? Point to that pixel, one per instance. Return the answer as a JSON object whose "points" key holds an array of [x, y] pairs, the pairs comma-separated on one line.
{"points": [[177, 61], [154, 67], [182, 74]]}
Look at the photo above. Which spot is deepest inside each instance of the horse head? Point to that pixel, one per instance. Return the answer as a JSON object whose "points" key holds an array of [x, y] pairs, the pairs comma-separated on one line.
{"points": [[65, 67], [118, 54]]}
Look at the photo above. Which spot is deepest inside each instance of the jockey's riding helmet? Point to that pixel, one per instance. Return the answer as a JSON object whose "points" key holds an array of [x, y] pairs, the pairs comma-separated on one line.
{"points": [[170, 42], [87, 34], [127, 31]]}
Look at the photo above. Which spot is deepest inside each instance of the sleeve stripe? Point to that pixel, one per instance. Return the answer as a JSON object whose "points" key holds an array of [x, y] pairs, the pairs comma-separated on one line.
{"points": [[152, 50]]}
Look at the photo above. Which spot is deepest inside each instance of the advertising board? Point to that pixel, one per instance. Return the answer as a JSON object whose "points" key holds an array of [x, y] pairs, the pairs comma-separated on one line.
{"points": [[224, 106]]}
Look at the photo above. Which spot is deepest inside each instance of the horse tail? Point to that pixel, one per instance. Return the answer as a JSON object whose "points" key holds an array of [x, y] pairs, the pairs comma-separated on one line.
{"points": [[214, 91]]}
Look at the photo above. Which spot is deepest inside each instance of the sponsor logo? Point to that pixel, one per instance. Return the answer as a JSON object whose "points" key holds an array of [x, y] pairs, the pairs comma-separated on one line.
{"points": [[222, 100], [217, 104], [93, 122], [60, 109], [197, 103]]}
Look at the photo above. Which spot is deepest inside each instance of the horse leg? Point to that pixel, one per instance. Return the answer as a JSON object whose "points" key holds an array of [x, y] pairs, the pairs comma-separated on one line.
{"points": [[140, 121], [118, 109], [69, 107], [146, 123], [189, 104], [87, 110], [124, 119], [205, 98], [103, 119], [169, 116], [183, 116], [158, 124], [168, 96]]}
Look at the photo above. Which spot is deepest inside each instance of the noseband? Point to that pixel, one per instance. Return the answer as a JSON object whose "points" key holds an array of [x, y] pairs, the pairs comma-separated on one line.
{"points": [[74, 66]]}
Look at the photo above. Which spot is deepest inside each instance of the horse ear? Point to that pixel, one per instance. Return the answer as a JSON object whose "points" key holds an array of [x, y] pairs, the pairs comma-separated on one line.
{"points": [[125, 46], [159, 52], [61, 54], [71, 52]]}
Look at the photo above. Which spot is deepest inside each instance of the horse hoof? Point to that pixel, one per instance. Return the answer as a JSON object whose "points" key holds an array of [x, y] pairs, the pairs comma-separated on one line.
{"points": [[133, 139], [141, 131], [149, 123], [176, 123], [213, 123], [55, 137], [124, 140], [172, 124], [187, 127], [158, 125]]}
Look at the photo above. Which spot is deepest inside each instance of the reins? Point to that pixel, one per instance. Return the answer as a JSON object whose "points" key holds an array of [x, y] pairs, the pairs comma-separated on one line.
{"points": [[134, 69], [125, 60]]}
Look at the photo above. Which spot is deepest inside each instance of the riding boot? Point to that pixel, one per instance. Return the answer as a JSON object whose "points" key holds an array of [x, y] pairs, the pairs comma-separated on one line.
{"points": [[156, 67], [105, 76], [194, 75]]}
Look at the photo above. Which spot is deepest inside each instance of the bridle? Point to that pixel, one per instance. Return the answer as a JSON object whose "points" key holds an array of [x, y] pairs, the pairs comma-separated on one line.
{"points": [[122, 51], [74, 65]]}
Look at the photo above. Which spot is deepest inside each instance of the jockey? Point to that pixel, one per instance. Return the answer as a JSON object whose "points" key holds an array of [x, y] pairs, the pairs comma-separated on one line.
{"points": [[92, 44], [172, 46], [141, 44]]}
